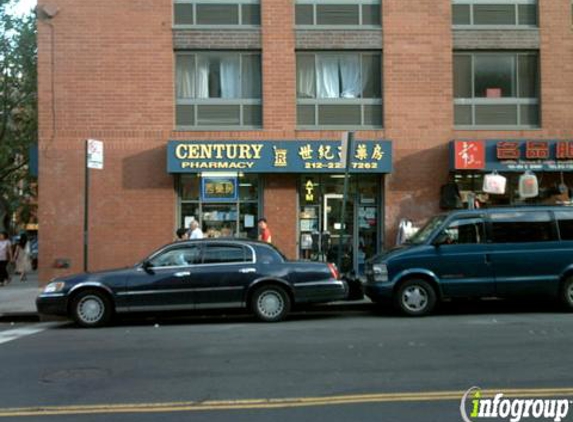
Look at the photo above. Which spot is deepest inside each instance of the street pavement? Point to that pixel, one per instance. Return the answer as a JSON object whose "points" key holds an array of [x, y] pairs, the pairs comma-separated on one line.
{"points": [[317, 366], [17, 299]]}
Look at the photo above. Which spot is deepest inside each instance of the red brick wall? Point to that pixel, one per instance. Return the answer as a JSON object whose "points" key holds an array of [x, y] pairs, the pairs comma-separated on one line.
{"points": [[280, 209]]}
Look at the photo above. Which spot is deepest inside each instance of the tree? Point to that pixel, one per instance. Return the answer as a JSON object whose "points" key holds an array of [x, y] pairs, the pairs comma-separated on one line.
{"points": [[18, 109]]}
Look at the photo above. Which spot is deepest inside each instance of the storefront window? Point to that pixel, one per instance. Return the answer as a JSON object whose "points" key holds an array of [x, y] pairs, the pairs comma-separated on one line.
{"points": [[321, 199], [235, 218]]}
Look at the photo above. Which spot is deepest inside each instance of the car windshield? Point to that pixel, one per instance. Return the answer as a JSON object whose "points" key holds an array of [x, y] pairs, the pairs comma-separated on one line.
{"points": [[425, 232]]}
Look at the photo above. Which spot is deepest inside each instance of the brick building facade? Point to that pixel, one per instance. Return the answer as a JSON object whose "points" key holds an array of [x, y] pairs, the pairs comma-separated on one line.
{"points": [[108, 70]]}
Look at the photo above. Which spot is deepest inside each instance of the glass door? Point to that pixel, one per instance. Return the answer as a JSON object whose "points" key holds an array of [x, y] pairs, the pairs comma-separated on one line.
{"points": [[332, 226], [220, 220]]}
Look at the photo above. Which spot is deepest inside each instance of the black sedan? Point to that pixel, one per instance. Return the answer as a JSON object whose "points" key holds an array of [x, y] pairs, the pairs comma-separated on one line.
{"points": [[200, 274]]}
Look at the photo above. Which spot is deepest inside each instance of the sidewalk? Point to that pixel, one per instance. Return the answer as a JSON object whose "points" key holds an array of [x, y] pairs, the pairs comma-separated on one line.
{"points": [[18, 300]]}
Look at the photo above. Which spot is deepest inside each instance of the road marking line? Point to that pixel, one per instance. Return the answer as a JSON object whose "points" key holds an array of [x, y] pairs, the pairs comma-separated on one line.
{"points": [[16, 333], [280, 403]]}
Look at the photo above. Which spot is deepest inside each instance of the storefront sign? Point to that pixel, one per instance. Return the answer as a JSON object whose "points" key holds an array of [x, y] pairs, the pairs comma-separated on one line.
{"points": [[512, 155], [274, 156], [219, 189]]}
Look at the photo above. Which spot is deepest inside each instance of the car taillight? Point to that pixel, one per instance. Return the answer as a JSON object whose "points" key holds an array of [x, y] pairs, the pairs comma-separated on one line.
{"points": [[334, 271]]}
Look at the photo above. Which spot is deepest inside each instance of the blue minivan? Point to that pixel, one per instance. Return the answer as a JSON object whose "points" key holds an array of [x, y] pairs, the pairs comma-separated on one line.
{"points": [[495, 252]]}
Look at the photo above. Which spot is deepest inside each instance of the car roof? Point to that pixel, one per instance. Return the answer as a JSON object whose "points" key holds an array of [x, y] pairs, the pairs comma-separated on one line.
{"points": [[522, 208]]}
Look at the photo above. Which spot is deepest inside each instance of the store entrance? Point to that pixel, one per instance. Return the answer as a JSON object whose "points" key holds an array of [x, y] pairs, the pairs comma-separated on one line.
{"points": [[320, 226]]}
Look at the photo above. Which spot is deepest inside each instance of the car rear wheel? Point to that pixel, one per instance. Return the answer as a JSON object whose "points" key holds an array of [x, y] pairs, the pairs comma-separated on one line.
{"points": [[416, 298], [91, 308], [567, 293], [271, 303]]}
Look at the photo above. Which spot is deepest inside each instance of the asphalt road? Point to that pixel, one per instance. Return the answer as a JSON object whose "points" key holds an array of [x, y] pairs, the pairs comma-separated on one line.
{"points": [[323, 366]]}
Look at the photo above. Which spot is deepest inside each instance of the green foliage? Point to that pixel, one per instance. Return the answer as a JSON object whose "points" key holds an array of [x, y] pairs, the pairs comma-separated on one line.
{"points": [[18, 107]]}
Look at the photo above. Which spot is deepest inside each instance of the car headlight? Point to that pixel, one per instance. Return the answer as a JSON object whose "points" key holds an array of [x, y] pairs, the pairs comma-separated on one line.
{"points": [[54, 287], [380, 272]]}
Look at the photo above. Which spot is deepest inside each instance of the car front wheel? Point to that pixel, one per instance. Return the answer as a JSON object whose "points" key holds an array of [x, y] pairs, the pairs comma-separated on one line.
{"points": [[416, 298], [91, 309], [271, 303]]}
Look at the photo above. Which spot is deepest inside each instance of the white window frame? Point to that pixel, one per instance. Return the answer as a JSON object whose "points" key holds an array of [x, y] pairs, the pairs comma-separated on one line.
{"points": [[317, 102], [360, 3], [515, 3], [195, 25], [197, 102], [479, 101]]}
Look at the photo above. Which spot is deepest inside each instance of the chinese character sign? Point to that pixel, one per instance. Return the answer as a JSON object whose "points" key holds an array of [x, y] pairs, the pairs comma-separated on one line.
{"points": [[469, 155]]}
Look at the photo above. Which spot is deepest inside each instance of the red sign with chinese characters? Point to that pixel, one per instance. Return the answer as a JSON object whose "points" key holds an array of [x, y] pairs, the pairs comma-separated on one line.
{"points": [[470, 155]]}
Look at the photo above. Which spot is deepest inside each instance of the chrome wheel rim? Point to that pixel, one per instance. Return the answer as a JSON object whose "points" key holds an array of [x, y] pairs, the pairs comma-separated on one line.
{"points": [[415, 298], [270, 304], [91, 309]]}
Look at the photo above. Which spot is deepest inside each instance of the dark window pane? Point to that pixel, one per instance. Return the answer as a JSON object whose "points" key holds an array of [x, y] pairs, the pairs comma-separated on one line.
{"points": [[496, 115], [305, 115], [337, 14], [494, 14], [529, 115], [252, 115], [462, 76], [185, 115], [305, 77], [468, 231], [251, 76], [565, 221], [371, 14], [373, 115], [183, 14], [218, 115], [249, 190], [528, 14], [520, 227], [461, 14], [372, 76], [339, 115], [189, 187], [304, 14], [462, 115], [217, 14], [225, 254], [251, 14], [528, 76], [494, 75]]}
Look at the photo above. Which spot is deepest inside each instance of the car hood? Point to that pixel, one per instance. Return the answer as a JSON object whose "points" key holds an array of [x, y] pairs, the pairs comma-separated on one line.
{"points": [[94, 276], [398, 251]]}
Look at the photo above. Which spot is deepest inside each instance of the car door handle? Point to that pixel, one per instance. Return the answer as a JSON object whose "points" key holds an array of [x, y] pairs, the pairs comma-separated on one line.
{"points": [[247, 270], [487, 259], [182, 274]]}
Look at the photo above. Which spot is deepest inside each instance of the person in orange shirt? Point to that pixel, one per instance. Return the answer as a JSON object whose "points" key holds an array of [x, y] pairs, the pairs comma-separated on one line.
{"points": [[264, 231]]}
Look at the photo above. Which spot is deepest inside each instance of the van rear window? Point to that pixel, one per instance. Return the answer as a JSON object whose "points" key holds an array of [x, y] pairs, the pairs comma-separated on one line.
{"points": [[522, 227]]}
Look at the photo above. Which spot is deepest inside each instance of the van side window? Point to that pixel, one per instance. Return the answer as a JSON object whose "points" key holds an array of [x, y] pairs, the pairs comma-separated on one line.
{"points": [[565, 222], [465, 231], [522, 227]]}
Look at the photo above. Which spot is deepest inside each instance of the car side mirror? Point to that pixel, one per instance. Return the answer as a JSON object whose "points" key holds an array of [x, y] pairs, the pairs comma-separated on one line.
{"points": [[147, 267]]}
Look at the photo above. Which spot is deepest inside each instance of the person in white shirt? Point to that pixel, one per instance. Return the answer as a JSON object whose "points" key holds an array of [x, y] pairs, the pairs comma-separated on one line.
{"points": [[5, 258], [195, 231]]}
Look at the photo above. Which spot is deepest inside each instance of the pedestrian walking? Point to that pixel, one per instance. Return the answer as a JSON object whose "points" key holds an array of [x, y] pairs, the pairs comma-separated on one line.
{"points": [[5, 258], [22, 257], [264, 231], [195, 231]]}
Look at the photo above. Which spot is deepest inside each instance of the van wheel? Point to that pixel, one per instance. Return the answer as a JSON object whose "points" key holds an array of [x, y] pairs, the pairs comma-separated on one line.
{"points": [[567, 293], [415, 298], [270, 303]]}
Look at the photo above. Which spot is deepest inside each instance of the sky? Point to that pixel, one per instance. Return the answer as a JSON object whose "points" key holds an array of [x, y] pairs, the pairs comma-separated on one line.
{"points": [[22, 7]]}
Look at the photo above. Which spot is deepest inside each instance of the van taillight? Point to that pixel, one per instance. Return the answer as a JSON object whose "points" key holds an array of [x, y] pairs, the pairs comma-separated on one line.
{"points": [[334, 271]]}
